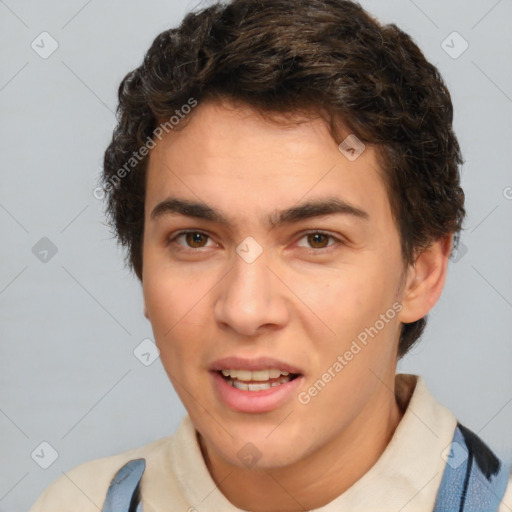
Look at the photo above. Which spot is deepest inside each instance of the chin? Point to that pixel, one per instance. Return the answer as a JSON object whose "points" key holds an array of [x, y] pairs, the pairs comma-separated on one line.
{"points": [[261, 452]]}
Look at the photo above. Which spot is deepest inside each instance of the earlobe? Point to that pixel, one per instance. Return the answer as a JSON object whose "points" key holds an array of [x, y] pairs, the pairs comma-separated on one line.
{"points": [[425, 280], [146, 311]]}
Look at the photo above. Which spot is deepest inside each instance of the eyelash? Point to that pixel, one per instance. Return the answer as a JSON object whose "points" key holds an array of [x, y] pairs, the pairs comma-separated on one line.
{"points": [[310, 249]]}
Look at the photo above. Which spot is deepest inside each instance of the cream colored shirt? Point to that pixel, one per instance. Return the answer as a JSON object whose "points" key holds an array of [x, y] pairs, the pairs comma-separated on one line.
{"points": [[405, 478]]}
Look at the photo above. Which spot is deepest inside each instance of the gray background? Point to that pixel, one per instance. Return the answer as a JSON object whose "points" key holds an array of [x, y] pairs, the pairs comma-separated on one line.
{"points": [[70, 324]]}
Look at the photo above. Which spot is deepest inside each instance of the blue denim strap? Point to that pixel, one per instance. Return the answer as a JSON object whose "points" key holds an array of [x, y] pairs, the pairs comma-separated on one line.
{"points": [[123, 493], [474, 479]]}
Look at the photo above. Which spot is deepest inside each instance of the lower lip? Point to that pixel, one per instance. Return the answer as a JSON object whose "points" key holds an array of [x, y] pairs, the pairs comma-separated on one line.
{"points": [[255, 401]]}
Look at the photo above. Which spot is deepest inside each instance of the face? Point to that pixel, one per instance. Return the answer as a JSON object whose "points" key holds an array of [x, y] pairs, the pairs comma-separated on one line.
{"points": [[235, 265]]}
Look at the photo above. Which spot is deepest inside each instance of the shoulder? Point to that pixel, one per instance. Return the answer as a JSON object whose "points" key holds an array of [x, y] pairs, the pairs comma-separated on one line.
{"points": [[84, 488]]}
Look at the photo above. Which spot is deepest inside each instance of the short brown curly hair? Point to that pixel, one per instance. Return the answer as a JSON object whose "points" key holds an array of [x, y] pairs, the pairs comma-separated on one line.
{"points": [[289, 56]]}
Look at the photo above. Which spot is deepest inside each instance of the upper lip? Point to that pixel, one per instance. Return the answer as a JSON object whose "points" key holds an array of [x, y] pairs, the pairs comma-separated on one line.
{"points": [[258, 363]]}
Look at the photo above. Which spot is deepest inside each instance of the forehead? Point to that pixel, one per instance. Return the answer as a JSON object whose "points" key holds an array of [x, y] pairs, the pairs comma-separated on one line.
{"points": [[231, 157]]}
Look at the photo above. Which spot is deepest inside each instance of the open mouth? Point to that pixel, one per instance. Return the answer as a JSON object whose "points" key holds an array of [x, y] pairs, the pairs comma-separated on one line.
{"points": [[256, 381]]}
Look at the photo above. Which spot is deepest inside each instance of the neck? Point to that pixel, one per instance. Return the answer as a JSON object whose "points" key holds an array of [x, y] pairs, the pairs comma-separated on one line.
{"points": [[317, 479]]}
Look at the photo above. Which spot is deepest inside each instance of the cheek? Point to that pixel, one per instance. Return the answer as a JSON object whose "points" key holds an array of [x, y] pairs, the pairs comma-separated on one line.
{"points": [[349, 300], [171, 291], [167, 305], [343, 297], [179, 311]]}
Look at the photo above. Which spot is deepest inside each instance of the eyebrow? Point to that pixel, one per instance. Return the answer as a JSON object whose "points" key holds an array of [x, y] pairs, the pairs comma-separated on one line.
{"points": [[294, 214]]}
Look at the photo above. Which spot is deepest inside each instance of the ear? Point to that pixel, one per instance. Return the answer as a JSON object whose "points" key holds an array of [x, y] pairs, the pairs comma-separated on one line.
{"points": [[146, 311], [425, 280]]}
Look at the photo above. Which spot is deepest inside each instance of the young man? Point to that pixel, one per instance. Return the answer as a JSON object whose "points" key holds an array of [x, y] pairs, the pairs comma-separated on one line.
{"points": [[285, 177]]}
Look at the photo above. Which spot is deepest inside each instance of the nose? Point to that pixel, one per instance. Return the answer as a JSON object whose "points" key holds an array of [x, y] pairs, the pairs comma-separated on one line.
{"points": [[252, 298]]}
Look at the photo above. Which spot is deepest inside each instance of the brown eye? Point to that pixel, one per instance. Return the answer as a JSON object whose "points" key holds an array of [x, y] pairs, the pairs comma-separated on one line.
{"points": [[318, 240], [195, 239], [191, 240]]}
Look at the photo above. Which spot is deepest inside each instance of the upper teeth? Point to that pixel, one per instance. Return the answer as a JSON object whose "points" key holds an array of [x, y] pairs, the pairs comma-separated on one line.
{"points": [[248, 375]]}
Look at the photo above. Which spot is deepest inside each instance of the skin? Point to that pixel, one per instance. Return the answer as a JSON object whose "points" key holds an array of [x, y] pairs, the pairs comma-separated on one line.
{"points": [[303, 300]]}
